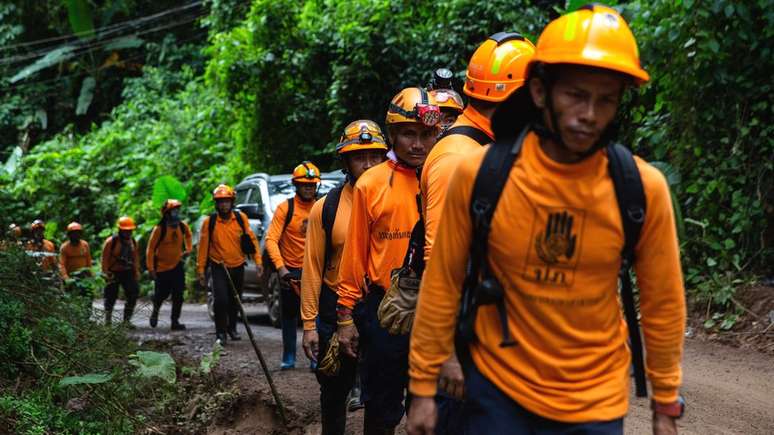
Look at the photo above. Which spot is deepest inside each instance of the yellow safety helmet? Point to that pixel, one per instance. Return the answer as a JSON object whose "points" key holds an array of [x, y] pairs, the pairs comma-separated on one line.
{"points": [[595, 36], [413, 105], [306, 172], [362, 134]]}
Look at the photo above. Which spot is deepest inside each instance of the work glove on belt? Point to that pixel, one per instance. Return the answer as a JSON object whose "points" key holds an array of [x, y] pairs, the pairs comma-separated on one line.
{"points": [[396, 311]]}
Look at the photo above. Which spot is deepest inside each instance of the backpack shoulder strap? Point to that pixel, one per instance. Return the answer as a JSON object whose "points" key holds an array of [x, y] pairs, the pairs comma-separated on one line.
{"points": [[163, 229], [469, 131], [487, 189], [211, 227], [289, 215], [488, 186], [240, 221], [330, 207], [630, 195]]}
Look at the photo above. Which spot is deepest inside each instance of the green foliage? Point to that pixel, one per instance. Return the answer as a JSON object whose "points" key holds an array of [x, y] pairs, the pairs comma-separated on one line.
{"points": [[167, 187], [154, 365], [79, 14], [210, 360], [91, 378], [61, 372], [170, 125], [704, 113], [298, 72]]}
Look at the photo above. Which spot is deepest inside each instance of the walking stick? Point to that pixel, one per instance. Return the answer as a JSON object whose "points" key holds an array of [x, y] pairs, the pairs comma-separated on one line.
{"points": [[265, 368]]}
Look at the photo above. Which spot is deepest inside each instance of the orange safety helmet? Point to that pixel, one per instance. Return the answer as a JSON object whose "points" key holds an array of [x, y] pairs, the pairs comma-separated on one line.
{"points": [[595, 36], [223, 191], [362, 134], [413, 105], [448, 99], [306, 172], [498, 67], [74, 226], [169, 205], [37, 223], [126, 223]]}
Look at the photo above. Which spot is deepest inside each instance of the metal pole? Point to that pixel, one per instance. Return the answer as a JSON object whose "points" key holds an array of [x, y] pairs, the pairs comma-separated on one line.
{"points": [[265, 368]]}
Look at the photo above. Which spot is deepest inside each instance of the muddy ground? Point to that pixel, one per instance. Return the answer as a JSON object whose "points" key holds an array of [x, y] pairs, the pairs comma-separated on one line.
{"points": [[728, 390]]}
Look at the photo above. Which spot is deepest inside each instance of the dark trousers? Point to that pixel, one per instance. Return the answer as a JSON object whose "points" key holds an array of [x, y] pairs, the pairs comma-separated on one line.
{"points": [[290, 308], [383, 366], [126, 280], [170, 282], [333, 389], [450, 415], [225, 304], [489, 411]]}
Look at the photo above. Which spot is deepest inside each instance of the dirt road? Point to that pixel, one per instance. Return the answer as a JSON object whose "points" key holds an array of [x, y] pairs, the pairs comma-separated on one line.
{"points": [[728, 390]]}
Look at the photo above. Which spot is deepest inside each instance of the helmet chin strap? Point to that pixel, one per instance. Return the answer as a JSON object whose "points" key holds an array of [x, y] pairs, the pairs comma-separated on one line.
{"points": [[548, 132]]}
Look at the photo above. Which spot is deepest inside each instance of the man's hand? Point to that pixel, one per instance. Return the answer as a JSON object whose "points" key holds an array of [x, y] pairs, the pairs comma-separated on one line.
{"points": [[664, 424], [422, 416], [311, 344], [451, 379], [152, 274], [348, 338], [295, 284], [283, 272], [202, 280]]}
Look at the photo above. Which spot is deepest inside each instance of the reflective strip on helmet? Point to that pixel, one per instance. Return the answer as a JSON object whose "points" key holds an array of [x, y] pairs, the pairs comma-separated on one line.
{"points": [[572, 24]]}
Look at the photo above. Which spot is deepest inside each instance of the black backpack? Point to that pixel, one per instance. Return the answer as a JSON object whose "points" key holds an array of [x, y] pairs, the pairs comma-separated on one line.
{"points": [[480, 286]]}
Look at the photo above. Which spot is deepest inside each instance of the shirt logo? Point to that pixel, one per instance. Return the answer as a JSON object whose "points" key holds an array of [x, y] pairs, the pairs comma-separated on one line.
{"points": [[553, 254]]}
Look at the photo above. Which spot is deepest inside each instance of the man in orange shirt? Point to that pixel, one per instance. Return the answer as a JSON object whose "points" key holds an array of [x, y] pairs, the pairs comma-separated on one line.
{"points": [[496, 69], [225, 241], [383, 215], [284, 243], [361, 147], [547, 351], [74, 254], [169, 244], [39, 246], [121, 266]]}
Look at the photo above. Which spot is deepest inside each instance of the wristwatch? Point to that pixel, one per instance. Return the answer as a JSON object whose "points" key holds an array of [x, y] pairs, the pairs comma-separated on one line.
{"points": [[674, 409]]}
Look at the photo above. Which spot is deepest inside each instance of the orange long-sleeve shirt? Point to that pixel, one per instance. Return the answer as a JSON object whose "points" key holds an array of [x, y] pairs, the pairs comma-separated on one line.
{"points": [[224, 245], [112, 251], [73, 257], [287, 248], [439, 168], [314, 255], [47, 263], [571, 362], [176, 243], [383, 214]]}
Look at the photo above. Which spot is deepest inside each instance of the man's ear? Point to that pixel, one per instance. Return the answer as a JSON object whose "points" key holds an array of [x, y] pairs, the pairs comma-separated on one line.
{"points": [[538, 92]]}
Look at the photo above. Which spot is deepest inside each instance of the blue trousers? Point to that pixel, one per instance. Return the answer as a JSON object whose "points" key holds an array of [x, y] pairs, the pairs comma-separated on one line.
{"points": [[290, 308], [383, 365], [489, 411]]}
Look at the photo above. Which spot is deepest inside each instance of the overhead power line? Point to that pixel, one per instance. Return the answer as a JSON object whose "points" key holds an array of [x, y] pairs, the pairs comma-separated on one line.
{"points": [[109, 29]]}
